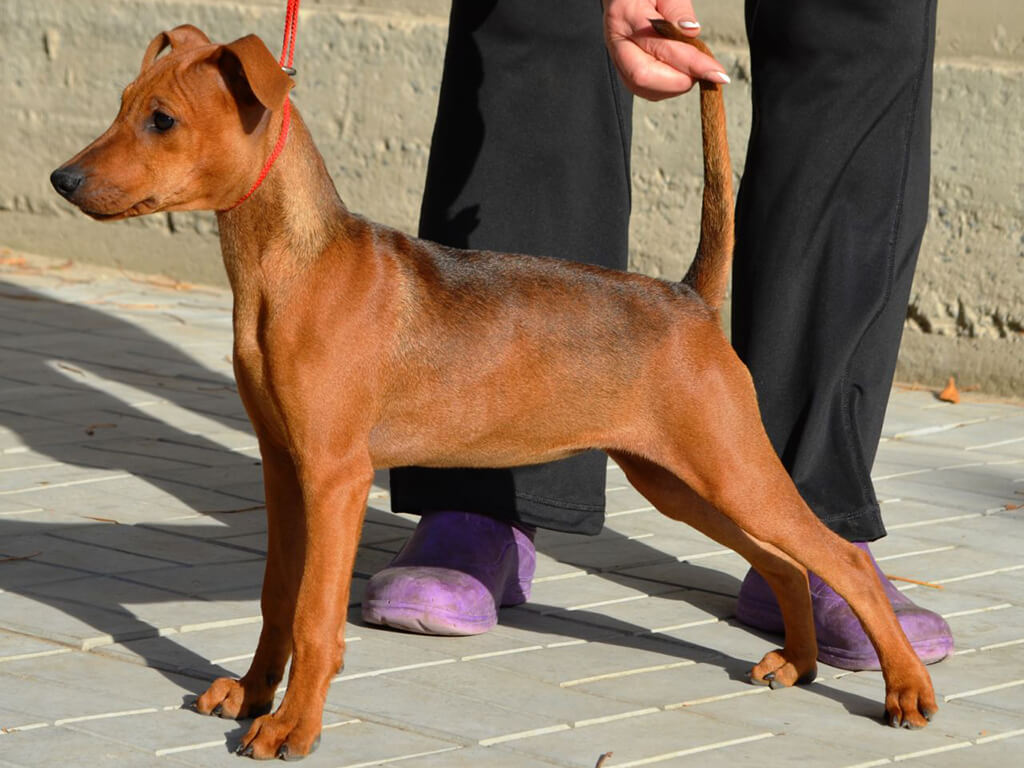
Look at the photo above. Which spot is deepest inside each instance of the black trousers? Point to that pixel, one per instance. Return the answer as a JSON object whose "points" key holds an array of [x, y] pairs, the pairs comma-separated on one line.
{"points": [[530, 154], [532, 134], [830, 214]]}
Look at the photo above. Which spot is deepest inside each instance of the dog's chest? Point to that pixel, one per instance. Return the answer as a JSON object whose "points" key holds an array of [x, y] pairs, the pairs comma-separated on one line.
{"points": [[251, 375]]}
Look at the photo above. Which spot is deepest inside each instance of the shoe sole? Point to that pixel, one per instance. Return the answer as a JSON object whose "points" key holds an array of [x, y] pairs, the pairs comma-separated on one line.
{"points": [[929, 651], [415, 618]]}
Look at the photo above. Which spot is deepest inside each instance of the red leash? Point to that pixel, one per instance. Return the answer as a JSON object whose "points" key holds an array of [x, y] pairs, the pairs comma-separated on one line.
{"points": [[291, 26]]}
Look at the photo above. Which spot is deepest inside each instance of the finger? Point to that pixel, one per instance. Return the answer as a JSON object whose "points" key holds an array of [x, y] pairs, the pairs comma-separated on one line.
{"points": [[680, 13], [682, 57], [647, 77]]}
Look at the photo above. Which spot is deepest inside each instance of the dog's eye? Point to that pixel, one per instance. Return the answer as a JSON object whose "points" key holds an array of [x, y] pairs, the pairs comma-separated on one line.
{"points": [[162, 121]]}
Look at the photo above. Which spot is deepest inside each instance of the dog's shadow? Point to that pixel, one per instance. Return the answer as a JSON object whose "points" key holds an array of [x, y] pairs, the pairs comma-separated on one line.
{"points": [[117, 580]]}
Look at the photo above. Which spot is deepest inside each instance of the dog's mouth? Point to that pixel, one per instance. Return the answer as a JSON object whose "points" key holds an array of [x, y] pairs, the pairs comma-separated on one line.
{"points": [[140, 208]]}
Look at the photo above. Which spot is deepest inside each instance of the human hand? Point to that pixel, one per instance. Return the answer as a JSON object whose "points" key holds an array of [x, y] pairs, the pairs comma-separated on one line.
{"points": [[652, 66]]}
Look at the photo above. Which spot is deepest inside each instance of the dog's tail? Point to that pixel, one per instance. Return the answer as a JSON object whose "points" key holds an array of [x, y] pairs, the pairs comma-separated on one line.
{"points": [[709, 272]]}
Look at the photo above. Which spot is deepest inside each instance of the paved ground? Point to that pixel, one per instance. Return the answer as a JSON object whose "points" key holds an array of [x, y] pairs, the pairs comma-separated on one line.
{"points": [[131, 548]]}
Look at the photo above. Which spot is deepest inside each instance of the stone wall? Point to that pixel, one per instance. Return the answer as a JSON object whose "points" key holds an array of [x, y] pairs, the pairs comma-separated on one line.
{"points": [[368, 87]]}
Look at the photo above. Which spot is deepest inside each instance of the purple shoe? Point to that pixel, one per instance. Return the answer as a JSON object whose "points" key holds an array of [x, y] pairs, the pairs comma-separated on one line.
{"points": [[452, 575], [841, 640]]}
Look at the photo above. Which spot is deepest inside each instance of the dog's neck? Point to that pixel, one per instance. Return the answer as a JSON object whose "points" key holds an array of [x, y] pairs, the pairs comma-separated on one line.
{"points": [[288, 220]]}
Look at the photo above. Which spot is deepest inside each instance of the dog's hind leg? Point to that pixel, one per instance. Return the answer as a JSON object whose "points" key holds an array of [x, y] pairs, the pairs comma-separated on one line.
{"points": [[718, 448], [795, 662]]}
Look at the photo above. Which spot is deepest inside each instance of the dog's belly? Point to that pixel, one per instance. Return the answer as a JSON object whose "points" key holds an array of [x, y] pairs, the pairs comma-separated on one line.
{"points": [[496, 433], [420, 454]]}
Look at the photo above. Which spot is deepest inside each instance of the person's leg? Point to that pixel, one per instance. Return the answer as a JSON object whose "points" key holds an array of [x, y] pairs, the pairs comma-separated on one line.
{"points": [[530, 154], [831, 211]]}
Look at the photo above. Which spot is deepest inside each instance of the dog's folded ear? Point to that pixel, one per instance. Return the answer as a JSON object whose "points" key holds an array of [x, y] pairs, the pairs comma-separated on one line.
{"points": [[259, 69], [183, 37]]}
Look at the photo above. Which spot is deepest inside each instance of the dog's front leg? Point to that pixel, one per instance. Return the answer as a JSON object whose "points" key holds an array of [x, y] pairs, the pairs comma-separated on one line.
{"points": [[335, 503], [253, 694]]}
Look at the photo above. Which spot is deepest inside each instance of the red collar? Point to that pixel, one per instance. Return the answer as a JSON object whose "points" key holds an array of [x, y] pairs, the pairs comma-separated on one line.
{"points": [[286, 122]]}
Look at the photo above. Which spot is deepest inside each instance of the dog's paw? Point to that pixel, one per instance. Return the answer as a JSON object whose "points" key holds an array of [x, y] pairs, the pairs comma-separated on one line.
{"points": [[280, 736], [910, 706], [776, 671], [234, 699]]}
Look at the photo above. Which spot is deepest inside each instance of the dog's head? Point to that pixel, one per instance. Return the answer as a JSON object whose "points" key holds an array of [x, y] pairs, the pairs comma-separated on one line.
{"points": [[192, 133]]}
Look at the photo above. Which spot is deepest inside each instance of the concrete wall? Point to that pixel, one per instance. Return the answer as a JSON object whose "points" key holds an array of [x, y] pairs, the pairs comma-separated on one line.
{"points": [[368, 82]]}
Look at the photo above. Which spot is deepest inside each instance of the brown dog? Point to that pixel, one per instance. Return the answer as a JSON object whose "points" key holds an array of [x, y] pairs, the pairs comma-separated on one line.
{"points": [[357, 347]]}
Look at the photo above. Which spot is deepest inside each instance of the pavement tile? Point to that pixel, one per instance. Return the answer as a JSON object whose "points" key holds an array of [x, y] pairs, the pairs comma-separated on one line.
{"points": [[88, 677], [635, 738], [565, 665], [906, 514], [32, 699], [72, 747], [501, 639], [719, 573], [512, 688], [991, 754], [254, 542], [667, 610], [999, 698], [590, 590], [913, 412], [40, 699], [784, 749], [150, 455], [21, 574], [489, 711], [68, 622], [159, 544], [998, 433], [963, 673], [203, 579], [550, 569], [675, 681], [58, 546], [998, 533], [473, 757], [996, 478], [229, 527], [1001, 623], [977, 499], [344, 746], [13, 646], [614, 551], [172, 732], [217, 651], [532, 628], [384, 655]]}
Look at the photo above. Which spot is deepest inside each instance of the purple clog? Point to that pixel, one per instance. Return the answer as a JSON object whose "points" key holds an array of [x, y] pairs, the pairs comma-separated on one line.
{"points": [[452, 575], [841, 640]]}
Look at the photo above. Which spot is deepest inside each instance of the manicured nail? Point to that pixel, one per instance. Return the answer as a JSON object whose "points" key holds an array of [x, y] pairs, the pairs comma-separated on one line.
{"points": [[689, 24], [717, 77]]}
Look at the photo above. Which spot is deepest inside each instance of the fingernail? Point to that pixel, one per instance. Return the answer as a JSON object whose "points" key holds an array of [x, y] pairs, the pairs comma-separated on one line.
{"points": [[689, 24], [718, 77]]}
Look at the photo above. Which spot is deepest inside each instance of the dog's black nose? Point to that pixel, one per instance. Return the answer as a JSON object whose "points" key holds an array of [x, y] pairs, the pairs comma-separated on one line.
{"points": [[66, 180]]}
